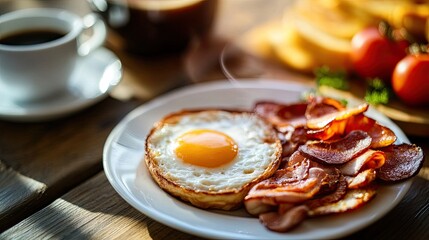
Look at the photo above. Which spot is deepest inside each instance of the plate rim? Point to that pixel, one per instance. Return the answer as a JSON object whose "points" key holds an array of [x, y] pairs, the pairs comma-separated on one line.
{"points": [[210, 86]]}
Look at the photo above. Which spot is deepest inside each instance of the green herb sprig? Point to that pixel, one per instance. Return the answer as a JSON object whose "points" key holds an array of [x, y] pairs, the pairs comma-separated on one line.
{"points": [[377, 92], [334, 79]]}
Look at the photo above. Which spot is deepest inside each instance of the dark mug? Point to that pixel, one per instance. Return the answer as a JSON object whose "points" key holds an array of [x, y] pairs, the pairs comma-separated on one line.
{"points": [[156, 27]]}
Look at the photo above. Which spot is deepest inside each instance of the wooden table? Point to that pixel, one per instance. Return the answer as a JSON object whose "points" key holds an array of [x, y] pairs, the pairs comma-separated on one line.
{"points": [[52, 183]]}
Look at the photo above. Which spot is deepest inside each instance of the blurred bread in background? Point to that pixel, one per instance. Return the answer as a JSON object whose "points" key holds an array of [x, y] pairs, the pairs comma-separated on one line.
{"points": [[315, 33]]}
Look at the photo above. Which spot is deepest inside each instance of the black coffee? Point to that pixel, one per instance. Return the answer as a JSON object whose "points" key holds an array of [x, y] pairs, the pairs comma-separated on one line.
{"points": [[154, 32], [30, 37]]}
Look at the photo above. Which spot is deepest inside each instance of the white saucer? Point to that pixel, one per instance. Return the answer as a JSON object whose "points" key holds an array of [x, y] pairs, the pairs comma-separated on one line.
{"points": [[94, 77]]}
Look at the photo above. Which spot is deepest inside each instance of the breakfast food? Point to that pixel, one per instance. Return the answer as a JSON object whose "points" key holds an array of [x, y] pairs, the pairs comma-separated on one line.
{"points": [[333, 158], [284, 162], [316, 33], [211, 158]]}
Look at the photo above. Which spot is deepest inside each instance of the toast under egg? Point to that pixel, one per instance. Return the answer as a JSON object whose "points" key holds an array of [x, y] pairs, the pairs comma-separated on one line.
{"points": [[211, 158]]}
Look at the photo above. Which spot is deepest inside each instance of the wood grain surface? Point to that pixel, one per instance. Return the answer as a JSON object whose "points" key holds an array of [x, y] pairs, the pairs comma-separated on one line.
{"points": [[17, 192], [91, 211], [58, 155], [94, 210], [52, 185]]}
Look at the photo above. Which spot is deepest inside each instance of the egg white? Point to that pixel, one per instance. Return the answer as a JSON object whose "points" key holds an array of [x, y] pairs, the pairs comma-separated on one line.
{"points": [[247, 130]]}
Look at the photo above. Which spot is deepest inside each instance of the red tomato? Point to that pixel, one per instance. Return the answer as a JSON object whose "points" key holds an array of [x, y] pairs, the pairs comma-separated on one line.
{"points": [[374, 55], [410, 80]]}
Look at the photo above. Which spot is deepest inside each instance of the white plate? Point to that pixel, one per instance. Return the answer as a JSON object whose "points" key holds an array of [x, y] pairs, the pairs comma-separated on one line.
{"points": [[95, 75], [124, 150]]}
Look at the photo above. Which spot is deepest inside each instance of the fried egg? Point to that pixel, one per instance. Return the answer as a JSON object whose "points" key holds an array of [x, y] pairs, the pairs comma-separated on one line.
{"points": [[211, 158]]}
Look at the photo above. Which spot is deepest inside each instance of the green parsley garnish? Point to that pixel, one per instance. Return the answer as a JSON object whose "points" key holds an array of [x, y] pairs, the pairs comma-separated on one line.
{"points": [[326, 77], [344, 102], [377, 92]]}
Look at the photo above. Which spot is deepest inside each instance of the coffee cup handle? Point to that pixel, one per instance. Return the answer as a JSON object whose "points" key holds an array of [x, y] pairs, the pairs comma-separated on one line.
{"points": [[99, 34]]}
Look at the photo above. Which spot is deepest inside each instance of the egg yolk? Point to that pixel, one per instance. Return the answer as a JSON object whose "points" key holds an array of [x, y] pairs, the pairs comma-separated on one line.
{"points": [[206, 148]]}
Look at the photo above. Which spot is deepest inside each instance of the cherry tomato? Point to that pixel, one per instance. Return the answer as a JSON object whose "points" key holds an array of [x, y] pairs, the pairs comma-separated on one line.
{"points": [[410, 80], [374, 55]]}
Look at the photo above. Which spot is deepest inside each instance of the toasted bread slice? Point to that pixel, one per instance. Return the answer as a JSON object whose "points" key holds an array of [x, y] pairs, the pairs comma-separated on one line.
{"points": [[302, 46]]}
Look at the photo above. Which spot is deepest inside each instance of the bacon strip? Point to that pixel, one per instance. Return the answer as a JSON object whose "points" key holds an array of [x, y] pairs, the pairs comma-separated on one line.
{"points": [[381, 136], [256, 206], [294, 114], [332, 174], [338, 194], [330, 183], [362, 179], [289, 193], [320, 106], [354, 199], [339, 151], [281, 115], [293, 173], [336, 128], [283, 222], [296, 158], [369, 159], [292, 140], [321, 122], [402, 162]]}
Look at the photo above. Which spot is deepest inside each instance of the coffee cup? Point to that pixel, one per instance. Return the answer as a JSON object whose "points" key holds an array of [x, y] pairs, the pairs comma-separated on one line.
{"points": [[156, 27], [39, 48]]}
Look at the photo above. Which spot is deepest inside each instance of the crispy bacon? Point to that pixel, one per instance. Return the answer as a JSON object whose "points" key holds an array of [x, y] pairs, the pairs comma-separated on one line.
{"points": [[323, 121], [284, 207], [402, 162], [320, 106], [381, 136], [294, 173], [369, 159], [362, 179], [292, 139], [295, 192], [294, 114], [256, 206], [331, 157], [299, 135], [283, 222], [335, 196], [281, 115], [296, 158], [330, 183], [334, 129], [339, 151], [353, 199]]}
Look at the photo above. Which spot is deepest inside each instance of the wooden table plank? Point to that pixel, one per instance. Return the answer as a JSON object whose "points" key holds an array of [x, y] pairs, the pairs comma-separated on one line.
{"points": [[13, 184], [59, 154], [95, 210], [408, 220], [91, 211], [48, 159]]}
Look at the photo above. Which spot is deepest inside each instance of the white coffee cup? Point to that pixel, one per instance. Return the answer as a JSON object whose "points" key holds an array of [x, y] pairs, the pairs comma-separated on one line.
{"points": [[30, 72]]}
